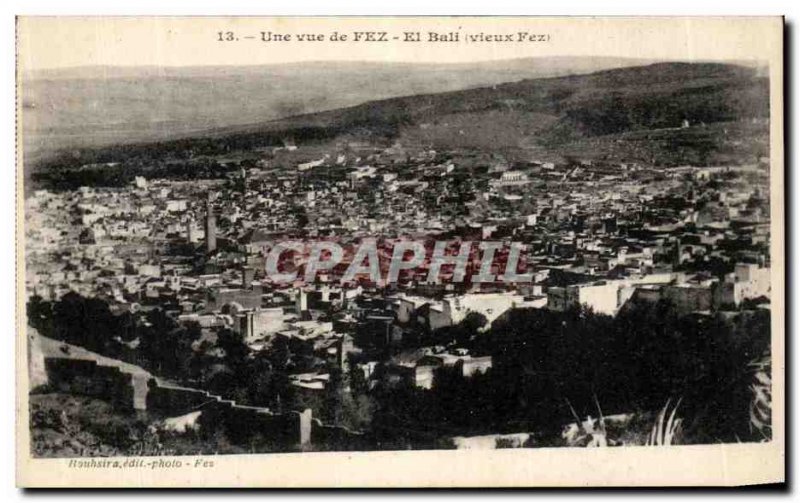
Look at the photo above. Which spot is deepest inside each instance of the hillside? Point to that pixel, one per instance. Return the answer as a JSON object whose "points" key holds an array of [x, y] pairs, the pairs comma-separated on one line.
{"points": [[629, 114], [99, 106], [633, 112]]}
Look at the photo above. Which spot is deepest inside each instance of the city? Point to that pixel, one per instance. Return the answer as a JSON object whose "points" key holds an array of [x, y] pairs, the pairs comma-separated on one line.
{"points": [[601, 302]]}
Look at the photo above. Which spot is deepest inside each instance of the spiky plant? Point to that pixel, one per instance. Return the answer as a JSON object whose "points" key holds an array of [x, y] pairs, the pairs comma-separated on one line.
{"points": [[761, 397], [665, 430], [590, 433]]}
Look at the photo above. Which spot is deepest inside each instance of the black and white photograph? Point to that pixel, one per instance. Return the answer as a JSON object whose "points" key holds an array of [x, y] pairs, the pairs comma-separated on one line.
{"points": [[528, 249]]}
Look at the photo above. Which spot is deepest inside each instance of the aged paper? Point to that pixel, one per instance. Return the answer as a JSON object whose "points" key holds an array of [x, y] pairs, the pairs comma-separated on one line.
{"points": [[400, 252]]}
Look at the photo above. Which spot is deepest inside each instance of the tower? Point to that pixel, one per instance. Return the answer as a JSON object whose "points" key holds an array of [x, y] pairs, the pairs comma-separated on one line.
{"points": [[676, 258], [248, 274], [301, 302], [243, 187], [191, 235], [211, 228]]}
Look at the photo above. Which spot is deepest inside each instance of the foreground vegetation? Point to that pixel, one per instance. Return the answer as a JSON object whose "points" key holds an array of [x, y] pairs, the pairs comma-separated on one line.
{"points": [[672, 378]]}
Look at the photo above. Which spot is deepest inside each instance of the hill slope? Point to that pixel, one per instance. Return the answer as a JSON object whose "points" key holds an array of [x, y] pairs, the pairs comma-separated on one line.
{"points": [[584, 114], [97, 106], [629, 114]]}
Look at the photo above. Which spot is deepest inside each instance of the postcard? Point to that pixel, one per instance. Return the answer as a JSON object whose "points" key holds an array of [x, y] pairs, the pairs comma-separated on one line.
{"points": [[410, 252]]}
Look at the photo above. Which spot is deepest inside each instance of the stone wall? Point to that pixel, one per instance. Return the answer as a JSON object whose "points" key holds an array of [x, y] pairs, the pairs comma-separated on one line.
{"points": [[86, 377], [241, 423], [337, 438]]}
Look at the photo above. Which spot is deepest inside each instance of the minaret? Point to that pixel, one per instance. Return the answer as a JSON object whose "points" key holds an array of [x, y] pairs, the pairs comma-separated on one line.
{"points": [[243, 181], [191, 235], [248, 274], [211, 228], [301, 302]]}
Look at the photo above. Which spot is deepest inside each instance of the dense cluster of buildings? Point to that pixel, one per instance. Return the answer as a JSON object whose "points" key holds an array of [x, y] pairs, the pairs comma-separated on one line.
{"points": [[596, 234]]}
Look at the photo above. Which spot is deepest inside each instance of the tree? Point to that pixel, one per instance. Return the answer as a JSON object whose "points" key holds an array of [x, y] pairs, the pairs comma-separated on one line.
{"points": [[233, 344], [166, 347], [333, 403], [40, 315], [259, 378], [86, 322]]}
